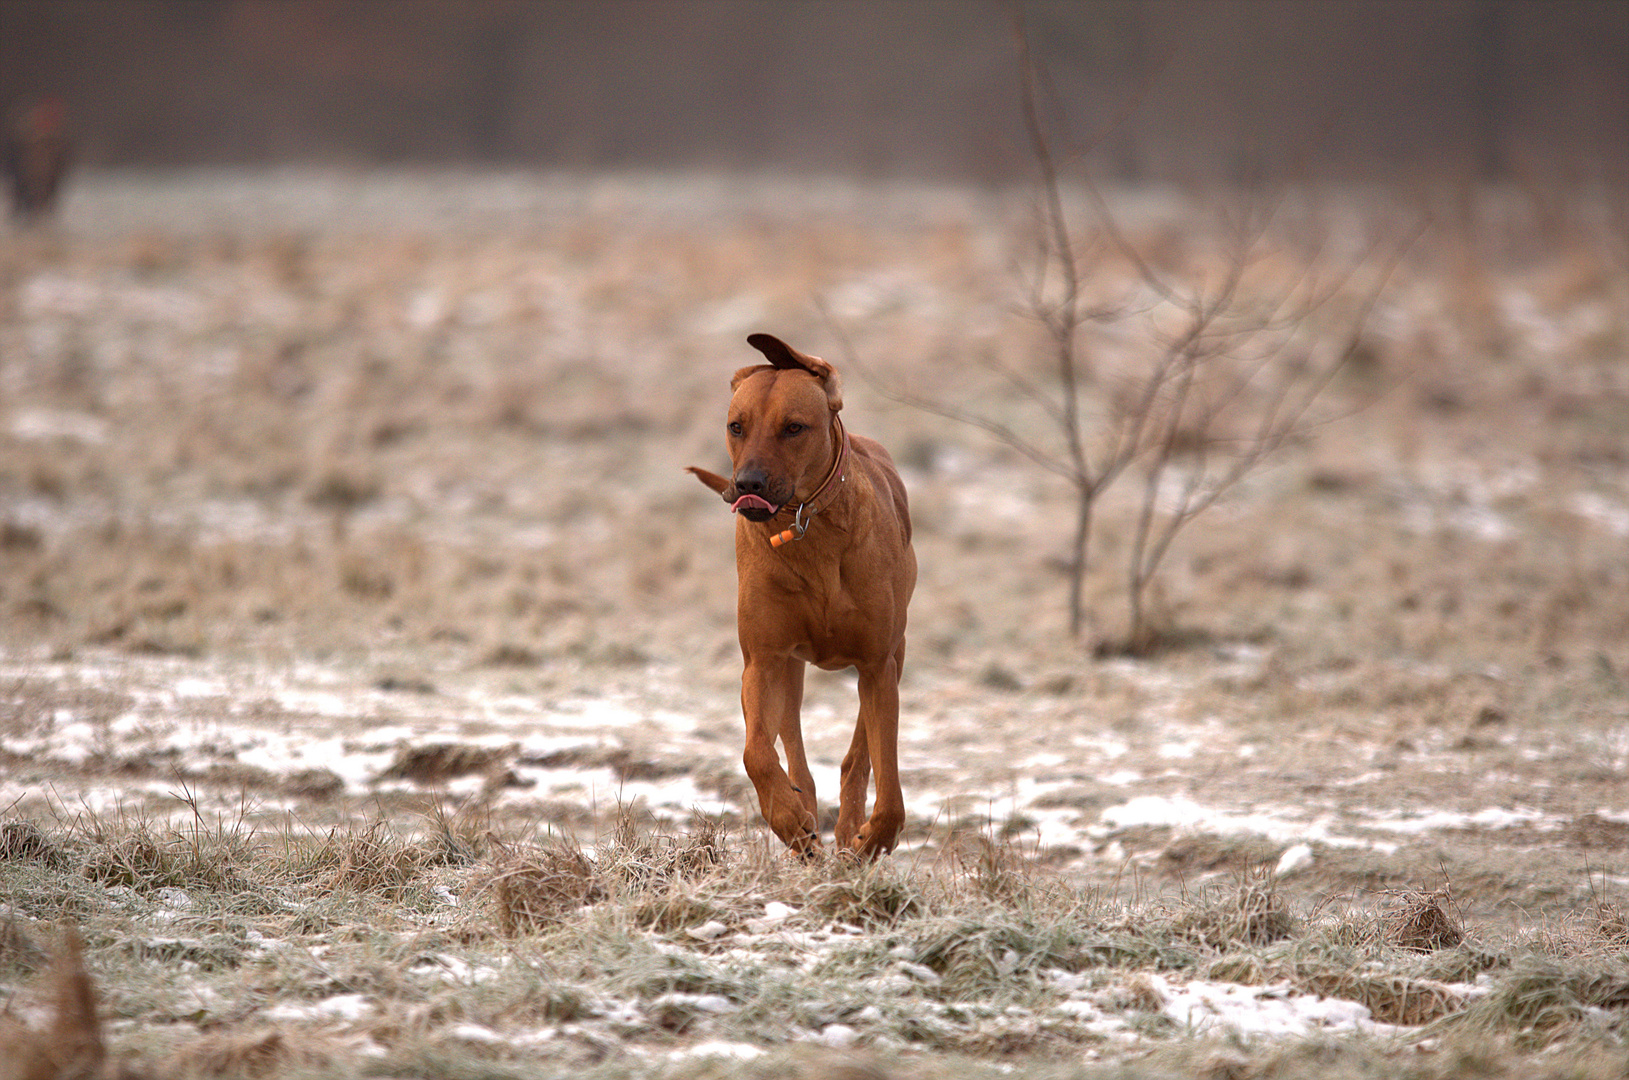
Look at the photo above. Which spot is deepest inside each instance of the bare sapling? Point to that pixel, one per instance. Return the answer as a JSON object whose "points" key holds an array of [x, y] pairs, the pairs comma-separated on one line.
{"points": [[1089, 455], [1238, 358], [1235, 382]]}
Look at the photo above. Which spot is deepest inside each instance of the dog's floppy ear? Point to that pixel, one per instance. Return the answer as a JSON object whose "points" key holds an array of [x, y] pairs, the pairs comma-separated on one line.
{"points": [[783, 356], [711, 479]]}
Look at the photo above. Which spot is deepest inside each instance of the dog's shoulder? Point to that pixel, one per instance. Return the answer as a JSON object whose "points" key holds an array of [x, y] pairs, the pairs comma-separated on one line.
{"points": [[871, 456]]}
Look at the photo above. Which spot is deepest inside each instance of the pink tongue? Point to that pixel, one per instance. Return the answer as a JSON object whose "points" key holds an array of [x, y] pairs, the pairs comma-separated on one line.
{"points": [[751, 502]]}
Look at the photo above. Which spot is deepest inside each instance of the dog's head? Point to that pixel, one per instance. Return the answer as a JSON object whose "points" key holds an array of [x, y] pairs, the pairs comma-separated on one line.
{"points": [[782, 357], [779, 429]]}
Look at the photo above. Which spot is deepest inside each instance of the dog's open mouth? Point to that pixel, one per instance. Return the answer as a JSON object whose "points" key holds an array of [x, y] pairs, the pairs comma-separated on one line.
{"points": [[753, 508]]}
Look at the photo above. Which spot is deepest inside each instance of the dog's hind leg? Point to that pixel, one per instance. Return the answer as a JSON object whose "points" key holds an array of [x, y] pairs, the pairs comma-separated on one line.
{"points": [[879, 723], [856, 781]]}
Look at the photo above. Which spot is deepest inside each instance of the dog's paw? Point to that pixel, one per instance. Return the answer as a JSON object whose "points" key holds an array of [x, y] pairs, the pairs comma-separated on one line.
{"points": [[871, 842]]}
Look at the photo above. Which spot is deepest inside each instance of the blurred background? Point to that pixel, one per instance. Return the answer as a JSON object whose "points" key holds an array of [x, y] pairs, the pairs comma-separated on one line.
{"points": [[1216, 89]]}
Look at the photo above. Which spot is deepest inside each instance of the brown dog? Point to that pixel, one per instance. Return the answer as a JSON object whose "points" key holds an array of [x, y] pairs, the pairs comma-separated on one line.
{"points": [[824, 571]]}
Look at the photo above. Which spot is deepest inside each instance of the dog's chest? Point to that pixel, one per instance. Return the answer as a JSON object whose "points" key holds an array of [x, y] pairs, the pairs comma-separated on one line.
{"points": [[821, 593], [823, 611]]}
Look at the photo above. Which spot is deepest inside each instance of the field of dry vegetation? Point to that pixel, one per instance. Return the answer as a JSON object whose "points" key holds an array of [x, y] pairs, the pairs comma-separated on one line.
{"points": [[368, 677]]}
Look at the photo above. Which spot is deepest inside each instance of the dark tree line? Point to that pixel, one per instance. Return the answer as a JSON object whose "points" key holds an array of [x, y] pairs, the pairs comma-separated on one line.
{"points": [[1193, 89]]}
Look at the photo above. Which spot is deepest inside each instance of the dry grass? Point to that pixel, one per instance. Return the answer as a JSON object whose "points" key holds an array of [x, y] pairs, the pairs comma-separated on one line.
{"points": [[655, 936]]}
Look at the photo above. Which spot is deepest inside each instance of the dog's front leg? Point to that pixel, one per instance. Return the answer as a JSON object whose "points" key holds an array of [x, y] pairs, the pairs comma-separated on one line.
{"points": [[770, 692], [791, 729]]}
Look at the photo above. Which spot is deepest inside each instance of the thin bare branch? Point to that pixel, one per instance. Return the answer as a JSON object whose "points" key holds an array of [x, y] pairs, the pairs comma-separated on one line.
{"points": [[1127, 250], [1028, 389], [1280, 420], [1000, 431]]}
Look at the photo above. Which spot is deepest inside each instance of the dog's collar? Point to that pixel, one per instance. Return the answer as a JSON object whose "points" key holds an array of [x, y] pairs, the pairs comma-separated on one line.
{"points": [[834, 480]]}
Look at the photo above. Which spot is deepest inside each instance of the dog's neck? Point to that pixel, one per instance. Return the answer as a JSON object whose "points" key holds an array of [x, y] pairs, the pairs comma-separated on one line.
{"points": [[831, 487], [834, 475]]}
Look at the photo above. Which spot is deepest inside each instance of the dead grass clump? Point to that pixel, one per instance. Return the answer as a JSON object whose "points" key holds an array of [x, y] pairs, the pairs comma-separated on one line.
{"points": [[626, 764], [1390, 998], [1253, 914], [1540, 1003], [371, 859], [868, 895], [437, 763], [249, 1055], [510, 655], [635, 858], [995, 869], [211, 853], [1422, 922], [652, 876], [1453, 1056], [665, 882], [1245, 968], [146, 860], [317, 785], [1350, 929], [21, 840], [1464, 1053], [840, 1070], [459, 838], [667, 913], [629, 766], [1611, 924], [365, 579], [985, 957], [1200, 853], [15, 537], [705, 846], [534, 890], [18, 952]]}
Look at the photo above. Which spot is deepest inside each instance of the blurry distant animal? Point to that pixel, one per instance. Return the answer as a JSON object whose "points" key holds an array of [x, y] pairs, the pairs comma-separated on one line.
{"points": [[824, 571], [36, 155]]}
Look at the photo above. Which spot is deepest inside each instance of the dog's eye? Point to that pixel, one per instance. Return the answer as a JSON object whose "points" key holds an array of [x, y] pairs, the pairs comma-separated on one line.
{"points": [[794, 429], [735, 427]]}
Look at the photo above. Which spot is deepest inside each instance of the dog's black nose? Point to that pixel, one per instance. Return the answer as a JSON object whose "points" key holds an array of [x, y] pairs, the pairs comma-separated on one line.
{"points": [[752, 482]]}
